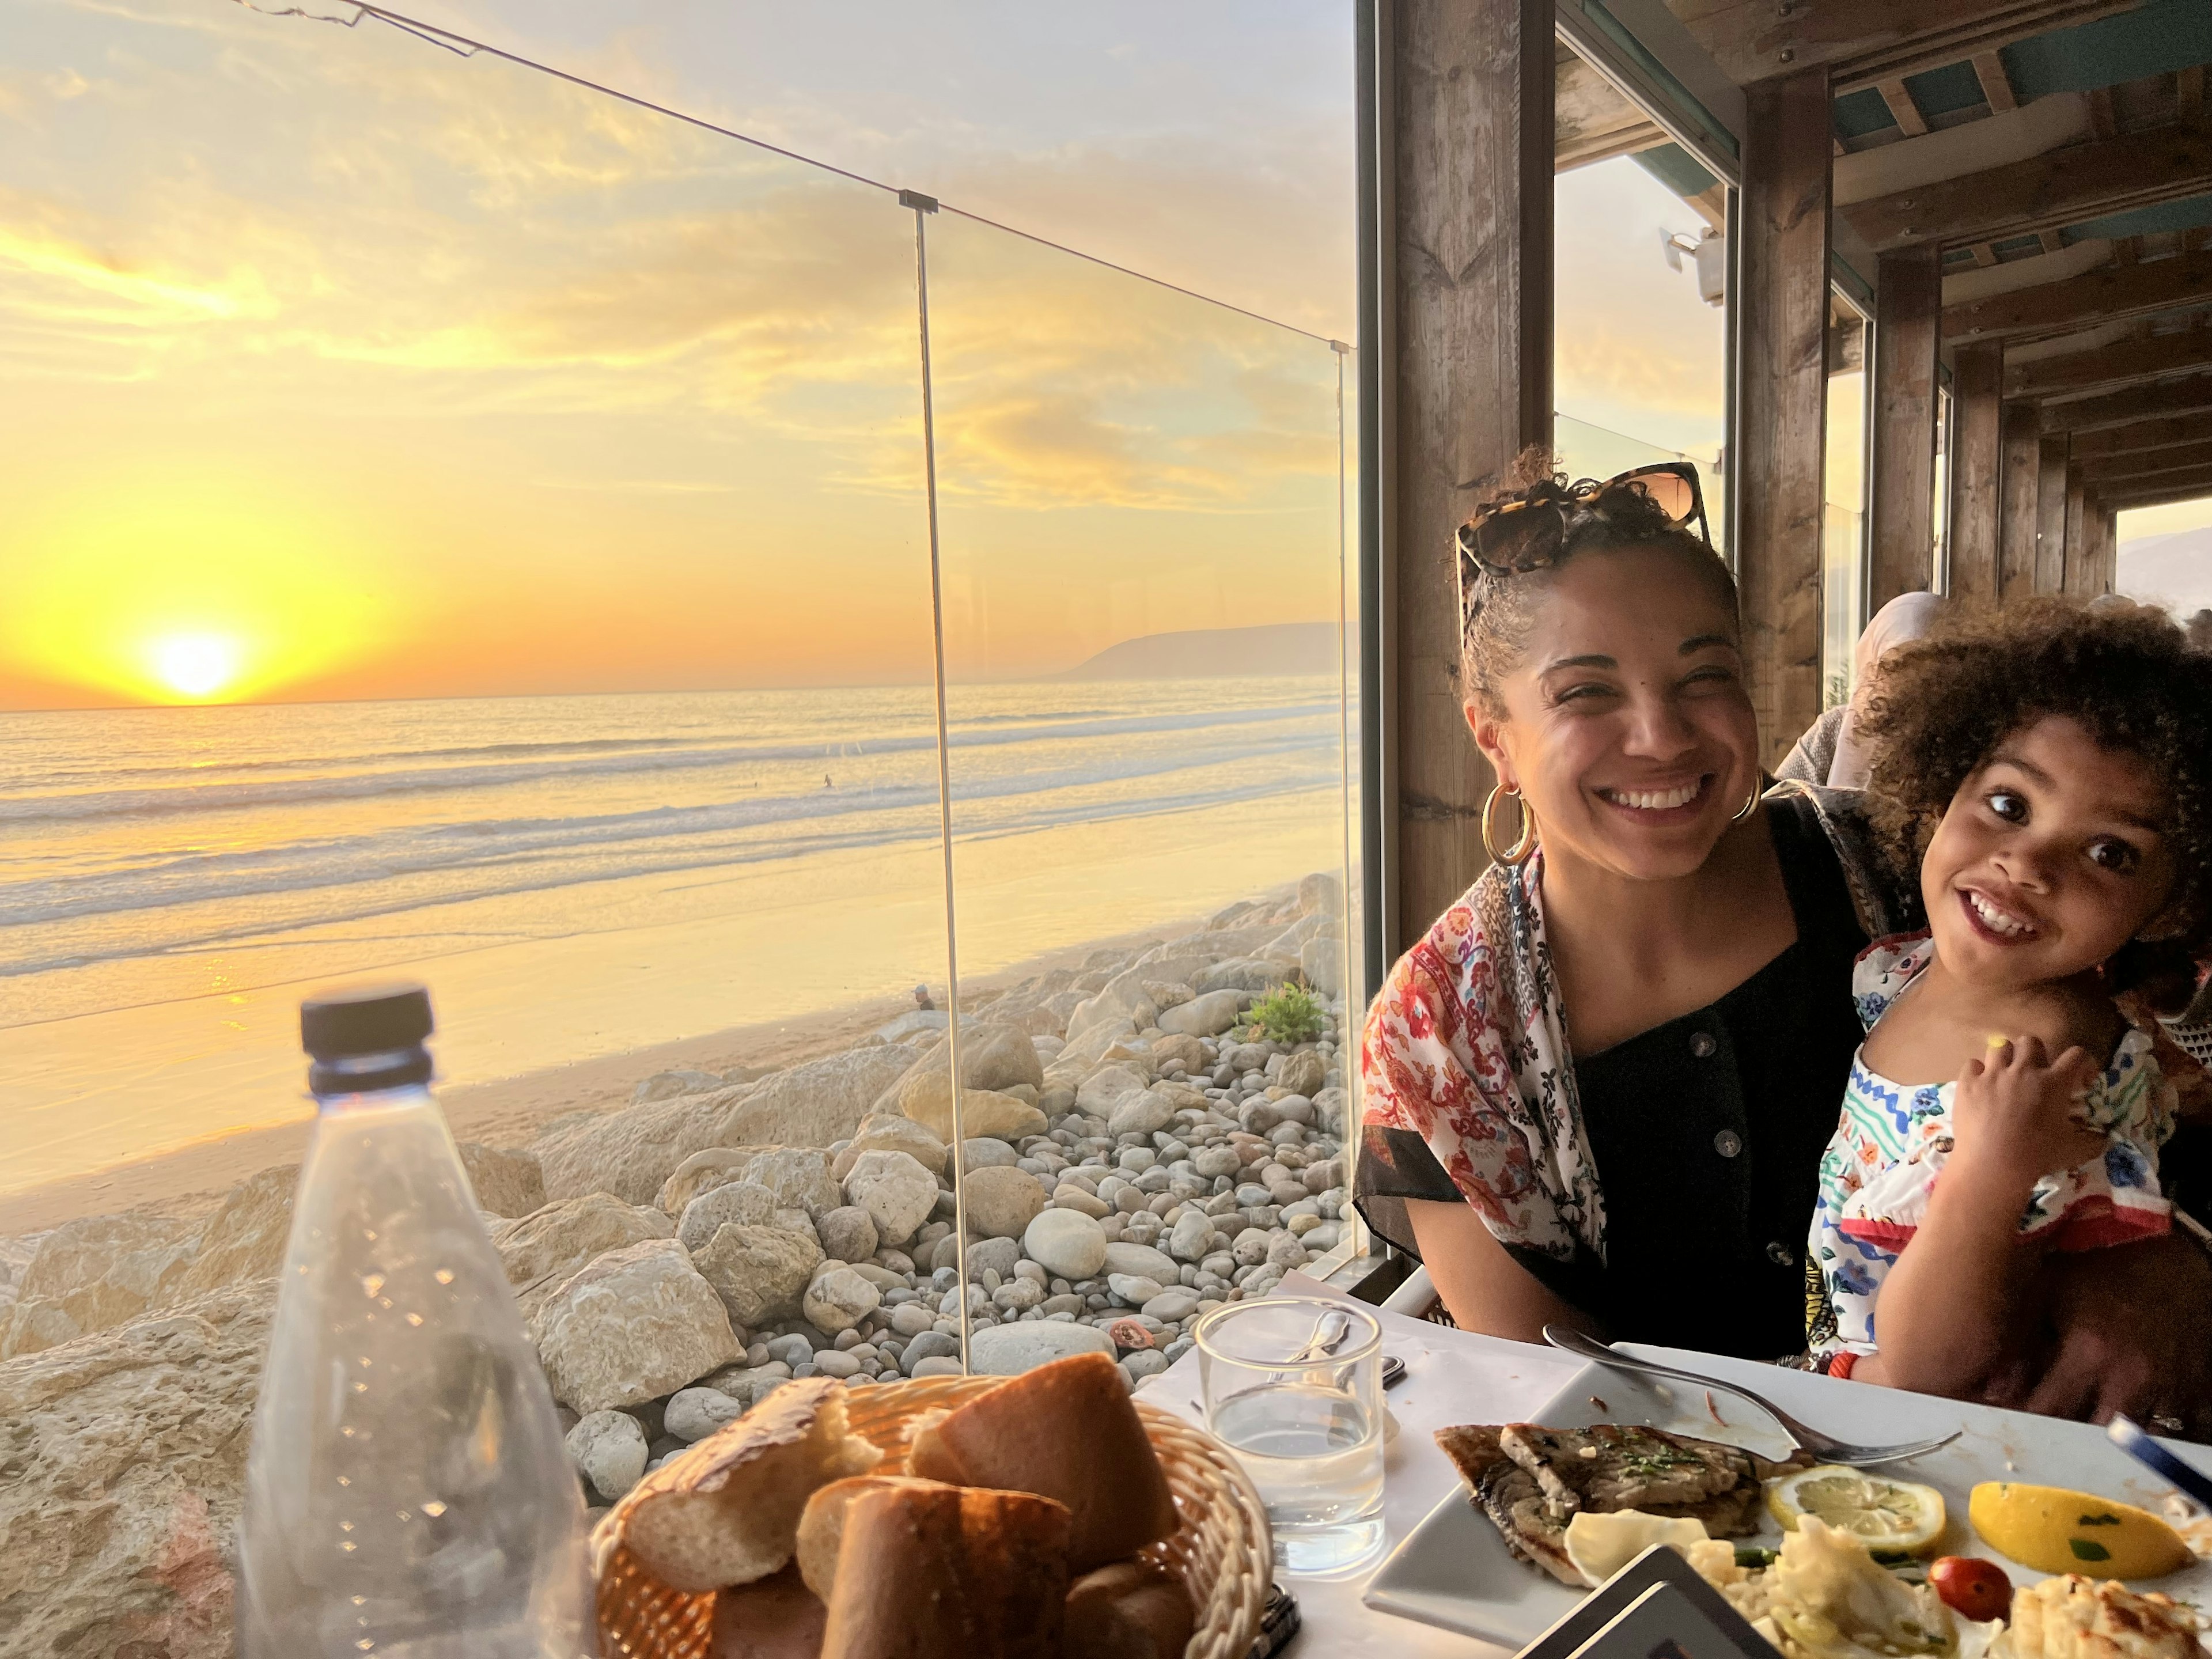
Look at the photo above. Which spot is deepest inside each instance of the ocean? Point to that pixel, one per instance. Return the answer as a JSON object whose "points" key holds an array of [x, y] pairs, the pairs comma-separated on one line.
{"points": [[581, 876]]}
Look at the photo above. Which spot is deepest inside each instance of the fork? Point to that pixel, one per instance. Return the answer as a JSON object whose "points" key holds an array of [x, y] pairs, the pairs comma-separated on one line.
{"points": [[1826, 1447]]}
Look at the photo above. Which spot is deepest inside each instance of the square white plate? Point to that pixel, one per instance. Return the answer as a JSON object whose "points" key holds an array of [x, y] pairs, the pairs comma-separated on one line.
{"points": [[1453, 1570]]}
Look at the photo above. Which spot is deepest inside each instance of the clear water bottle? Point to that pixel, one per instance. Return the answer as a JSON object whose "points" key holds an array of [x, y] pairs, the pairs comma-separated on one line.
{"points": [[407, 1495]]}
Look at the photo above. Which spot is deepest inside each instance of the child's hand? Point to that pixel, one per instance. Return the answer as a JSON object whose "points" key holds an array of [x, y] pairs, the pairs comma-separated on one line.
{"points": [[2014, 1118]]}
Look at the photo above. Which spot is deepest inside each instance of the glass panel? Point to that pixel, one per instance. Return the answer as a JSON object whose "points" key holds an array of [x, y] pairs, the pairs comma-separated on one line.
{"points": [[1144, 536], [466, 528], [1942, 508], [1843, 535]]}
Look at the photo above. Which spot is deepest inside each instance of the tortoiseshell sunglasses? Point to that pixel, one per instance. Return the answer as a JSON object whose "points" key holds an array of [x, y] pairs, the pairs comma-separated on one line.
{"points": [[1511, 537]]}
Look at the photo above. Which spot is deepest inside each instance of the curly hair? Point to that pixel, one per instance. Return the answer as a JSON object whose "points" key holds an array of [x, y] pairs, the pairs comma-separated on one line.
{"points": [[1498, 610], [2126, 672]]}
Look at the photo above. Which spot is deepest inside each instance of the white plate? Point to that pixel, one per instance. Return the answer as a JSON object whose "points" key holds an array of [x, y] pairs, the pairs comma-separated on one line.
{"points": [[1453, 1570]]}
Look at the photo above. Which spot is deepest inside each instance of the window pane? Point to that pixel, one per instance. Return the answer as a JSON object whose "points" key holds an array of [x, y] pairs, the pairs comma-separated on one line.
{"points": [[1843, 536]]}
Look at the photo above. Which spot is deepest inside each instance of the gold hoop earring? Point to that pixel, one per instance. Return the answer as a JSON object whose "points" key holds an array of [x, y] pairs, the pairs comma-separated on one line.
{"points": [[1751, 804], [1518, 853]]}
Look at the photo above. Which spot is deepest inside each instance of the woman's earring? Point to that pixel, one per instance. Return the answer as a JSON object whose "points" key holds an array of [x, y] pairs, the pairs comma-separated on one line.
{"points": [[1518, 853], [1751, 804]]}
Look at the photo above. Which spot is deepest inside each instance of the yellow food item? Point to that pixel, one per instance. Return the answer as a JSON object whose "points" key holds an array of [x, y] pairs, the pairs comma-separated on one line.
{"points": [[1601, 1545], [1892, 1516], [1826, 1598], [2055, 1530], [2077, 1617]]}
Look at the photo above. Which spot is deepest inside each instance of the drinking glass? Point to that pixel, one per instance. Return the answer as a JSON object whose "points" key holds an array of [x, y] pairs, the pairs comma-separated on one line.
{"points": [[1306, 1425]]}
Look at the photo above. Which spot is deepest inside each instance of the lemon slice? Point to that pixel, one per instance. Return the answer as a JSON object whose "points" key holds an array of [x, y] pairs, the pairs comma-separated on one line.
{"points": [[1892, 1515], [2055, 1530]]}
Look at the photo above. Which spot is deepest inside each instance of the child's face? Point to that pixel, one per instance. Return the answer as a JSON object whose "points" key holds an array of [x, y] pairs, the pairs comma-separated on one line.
{"points": [[2048, 859]]}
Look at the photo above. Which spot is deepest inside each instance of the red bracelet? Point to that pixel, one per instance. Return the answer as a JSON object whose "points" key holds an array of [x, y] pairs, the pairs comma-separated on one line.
{"points": [[1840, 1365]]}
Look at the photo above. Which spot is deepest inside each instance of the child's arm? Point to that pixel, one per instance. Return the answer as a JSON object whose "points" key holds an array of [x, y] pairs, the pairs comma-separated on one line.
{"points": [[1945, 1307]]}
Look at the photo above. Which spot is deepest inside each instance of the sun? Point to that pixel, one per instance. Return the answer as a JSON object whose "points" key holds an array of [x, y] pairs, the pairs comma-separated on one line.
{"points": [[197, 665]]}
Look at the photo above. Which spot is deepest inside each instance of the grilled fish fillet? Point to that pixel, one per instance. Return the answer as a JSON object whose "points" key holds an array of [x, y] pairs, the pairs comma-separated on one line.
{"points": [[1510, 1497]]}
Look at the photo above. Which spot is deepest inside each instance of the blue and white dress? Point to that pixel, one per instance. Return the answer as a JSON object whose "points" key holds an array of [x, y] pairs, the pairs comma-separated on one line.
{"points": [[1894, 1139]]}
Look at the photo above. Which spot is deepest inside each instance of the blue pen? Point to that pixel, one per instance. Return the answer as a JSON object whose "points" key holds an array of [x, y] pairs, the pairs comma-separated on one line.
{"points": [[2145, 1450]]}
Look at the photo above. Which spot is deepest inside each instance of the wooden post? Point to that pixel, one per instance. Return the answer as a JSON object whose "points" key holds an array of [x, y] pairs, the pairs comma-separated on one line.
{"points": [[2051, 515], [2019, 479], [2104, 536], [1976, 374], [1908, 315], [2079, 575], [1468, 152], [1782, 397]]}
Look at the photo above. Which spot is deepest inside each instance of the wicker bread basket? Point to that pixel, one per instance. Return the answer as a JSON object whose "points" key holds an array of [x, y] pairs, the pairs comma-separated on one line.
{"points": [[1221, 1550]]}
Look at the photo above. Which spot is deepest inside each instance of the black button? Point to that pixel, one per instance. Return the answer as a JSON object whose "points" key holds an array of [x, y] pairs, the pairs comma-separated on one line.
{"points": [[1702, 1045], [1727, 1142], [1781, 1254]]}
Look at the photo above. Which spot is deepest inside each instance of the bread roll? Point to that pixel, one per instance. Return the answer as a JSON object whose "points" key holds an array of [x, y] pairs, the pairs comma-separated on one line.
{"points": [[1130, 1610], [1067, 1431], [726, 1511], [772, 1618], [822, 1525], [930, 1571]]}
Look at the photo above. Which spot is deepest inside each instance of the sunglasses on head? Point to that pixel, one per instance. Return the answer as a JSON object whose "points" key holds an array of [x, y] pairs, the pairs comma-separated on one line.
{"points": [[1511, 537]]}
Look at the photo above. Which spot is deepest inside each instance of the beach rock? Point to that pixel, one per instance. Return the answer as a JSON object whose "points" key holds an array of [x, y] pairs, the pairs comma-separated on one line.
{"points": [[1320, 962], [1172, 1306], [1146, 1361], [1181, 1048], [629, 1152], [882, 1132], [1133, 1289], [847, 1233], [542, 1249], [1066, 1243], [245, 1238], [895, 1191], [1303, 1073], [1205, 1015], [1251, 1247], [1321, 891], [701, 1172], [1284, 1251], [608, 1448], [1142, 1113], [984, 1112], [813, 1104], [636, 1324], [1010, 1349], [983, 1154], [1141, 1262], [1002, 1201], [507, 1180], [125, 1455], [760, 1272], [670, 1086], [921, 1022], [1072, 1197], [994, 1054], [694, 1413], [1251, 975], [1105, 1088], [998, 1255], [840, 1299], [743, 1203], [90, 1274], [1189, 1237], [799, 1178]]}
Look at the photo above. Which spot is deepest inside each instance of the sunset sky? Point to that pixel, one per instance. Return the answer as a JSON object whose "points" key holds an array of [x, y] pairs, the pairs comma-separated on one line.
{"points": [[341, 366]]}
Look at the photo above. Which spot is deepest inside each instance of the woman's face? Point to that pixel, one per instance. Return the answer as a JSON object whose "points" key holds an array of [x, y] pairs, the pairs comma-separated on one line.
{"points": [[1627, 728]]}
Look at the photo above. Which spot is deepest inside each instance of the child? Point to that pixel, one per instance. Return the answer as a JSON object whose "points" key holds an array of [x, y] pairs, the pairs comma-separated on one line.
{"points": [[2049, 768]]}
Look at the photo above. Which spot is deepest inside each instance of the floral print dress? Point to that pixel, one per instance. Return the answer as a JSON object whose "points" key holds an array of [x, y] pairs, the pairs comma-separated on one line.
{"points": [[1894, 1139]]}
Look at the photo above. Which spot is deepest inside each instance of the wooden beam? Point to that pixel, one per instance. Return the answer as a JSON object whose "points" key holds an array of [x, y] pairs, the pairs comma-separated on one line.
{"points": [[2188, 93], [1979, 407], [1901, 489], [2154, 357], [2049, 192], [1468, 152], [1985, 257], [1864, 41], [1782, 396], [2079, 571], [1592, 122], [2145, 434], [1902, 109], [2018, 481], [2138, 403], [2102, 295], [1996, 85], [2102, 122], [2050, 516], [2145, 463], [2100, 531], [2174, 487], [2049, 241]]}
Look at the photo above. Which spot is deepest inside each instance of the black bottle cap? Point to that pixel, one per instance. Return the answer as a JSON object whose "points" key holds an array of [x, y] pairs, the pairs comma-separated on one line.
{"points": [[367, 1037]]}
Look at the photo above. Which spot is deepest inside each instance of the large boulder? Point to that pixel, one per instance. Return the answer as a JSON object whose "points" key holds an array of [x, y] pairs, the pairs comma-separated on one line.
{"points": [[92, 1273], [631, 1153], [1002, 1201], [799, 1178], [895, 1190], [761, 1273], [1209, 1015], [887, 1132], [840, 1299], [1010, 1349], [125, 1459], [927, 1099], [1105, 1088], [739, 1203], [507, 1180], [701, 1172], [816, 1104], [637, 1324], [1253, 974], [542, 1249], [245, 1238]]}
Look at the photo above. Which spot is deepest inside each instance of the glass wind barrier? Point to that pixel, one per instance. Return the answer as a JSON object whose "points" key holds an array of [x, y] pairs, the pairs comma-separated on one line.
{"points": [[1843, 530], [1143, 530]]}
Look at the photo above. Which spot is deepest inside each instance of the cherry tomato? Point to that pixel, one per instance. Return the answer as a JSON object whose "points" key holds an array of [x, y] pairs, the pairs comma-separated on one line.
{"points": [[1972, 1588]]}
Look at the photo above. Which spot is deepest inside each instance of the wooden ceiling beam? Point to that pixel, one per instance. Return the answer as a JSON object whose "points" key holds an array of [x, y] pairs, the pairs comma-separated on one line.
{"points": [[2118, 364], [2141, 403], [2188, 93], [1592, 121], [1996, 85], [1902, 109], [1866, 41], [2160, 491], [2103, 295], [2169, 432], [2057, 188], [2147, 463]]}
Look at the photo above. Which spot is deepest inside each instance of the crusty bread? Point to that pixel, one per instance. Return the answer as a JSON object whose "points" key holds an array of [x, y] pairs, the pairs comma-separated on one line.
{"points": [[822, 1525], [772, 1618], [1067, 1431], [930, 1571], [1130, 1610], [726, 1511], [928, 1456]]}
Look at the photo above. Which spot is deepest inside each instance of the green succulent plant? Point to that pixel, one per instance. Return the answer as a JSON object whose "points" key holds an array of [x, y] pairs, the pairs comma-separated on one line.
{"points": [[1289, 1013]]}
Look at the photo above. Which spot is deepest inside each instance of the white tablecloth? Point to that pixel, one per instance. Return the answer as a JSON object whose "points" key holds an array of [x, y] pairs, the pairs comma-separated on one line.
{"points": [[1451, 1376]]}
